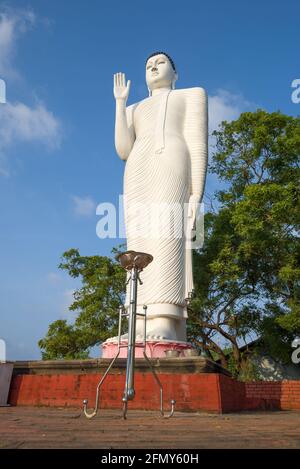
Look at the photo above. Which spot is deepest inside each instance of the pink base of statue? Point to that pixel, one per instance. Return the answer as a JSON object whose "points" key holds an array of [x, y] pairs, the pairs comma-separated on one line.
{"points": [[154, 349]]}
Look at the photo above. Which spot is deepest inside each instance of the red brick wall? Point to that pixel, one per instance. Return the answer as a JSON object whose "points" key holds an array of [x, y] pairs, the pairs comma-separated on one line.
{"points": [[210, 392], [232, 394], [191, 391], [284, 395]]}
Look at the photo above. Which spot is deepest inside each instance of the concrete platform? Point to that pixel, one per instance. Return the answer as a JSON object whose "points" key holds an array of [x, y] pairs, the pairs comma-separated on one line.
{"points": [[99, 365], [33, 427]]}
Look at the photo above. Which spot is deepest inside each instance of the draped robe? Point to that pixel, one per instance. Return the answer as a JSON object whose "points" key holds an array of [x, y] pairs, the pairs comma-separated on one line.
{"points": [[165, 166]]}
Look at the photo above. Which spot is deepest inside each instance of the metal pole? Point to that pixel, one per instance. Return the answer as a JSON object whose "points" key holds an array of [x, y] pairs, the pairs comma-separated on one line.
{"points": [[129, 392]]}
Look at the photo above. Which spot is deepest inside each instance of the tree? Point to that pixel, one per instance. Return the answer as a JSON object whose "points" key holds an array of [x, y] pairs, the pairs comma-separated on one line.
{"points": [[96, 303], [63, 341], [247, 273]]}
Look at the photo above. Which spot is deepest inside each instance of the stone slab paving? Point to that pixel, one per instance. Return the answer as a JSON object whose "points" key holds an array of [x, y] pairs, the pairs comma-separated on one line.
{"points": [[42, 427]]}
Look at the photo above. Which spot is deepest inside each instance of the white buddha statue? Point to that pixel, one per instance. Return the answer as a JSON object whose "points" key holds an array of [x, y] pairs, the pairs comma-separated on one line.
{"points": [[164, 141]]}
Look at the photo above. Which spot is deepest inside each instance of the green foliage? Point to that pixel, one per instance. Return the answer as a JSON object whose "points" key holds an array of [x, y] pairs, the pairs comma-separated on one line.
{"points": [[259, 147], [247, 273], [248, 370], [63, 341]]}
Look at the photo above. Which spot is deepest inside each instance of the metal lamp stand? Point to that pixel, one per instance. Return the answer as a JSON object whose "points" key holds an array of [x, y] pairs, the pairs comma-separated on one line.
{"points": [[134, 262]]}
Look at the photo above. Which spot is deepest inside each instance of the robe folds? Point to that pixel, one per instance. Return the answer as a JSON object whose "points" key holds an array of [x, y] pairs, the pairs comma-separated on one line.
{"points": [[165, 166]]}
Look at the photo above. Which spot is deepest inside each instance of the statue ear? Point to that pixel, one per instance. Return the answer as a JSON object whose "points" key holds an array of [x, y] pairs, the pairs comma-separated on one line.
{"points": [[174, 81]]}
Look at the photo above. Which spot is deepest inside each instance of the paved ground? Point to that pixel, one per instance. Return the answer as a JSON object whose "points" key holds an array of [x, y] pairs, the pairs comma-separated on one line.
{"points": [[32, 427]]}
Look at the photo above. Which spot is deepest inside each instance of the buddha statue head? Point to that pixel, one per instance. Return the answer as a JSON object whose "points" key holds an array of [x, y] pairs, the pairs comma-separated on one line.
{"points": [[160, 71]]}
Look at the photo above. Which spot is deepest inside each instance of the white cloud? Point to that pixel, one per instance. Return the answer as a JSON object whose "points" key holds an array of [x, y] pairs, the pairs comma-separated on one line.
{"points": [[225, 105], [22, 123], [54, 278], [84, 206], [14, 23], [19, 122]]}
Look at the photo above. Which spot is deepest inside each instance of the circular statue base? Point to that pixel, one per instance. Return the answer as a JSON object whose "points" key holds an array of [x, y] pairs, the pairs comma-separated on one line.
{"points": [[154, 349]]}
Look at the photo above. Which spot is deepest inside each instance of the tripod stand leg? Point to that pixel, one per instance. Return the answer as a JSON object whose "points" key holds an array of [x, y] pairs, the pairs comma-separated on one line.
{"points": [[92, 414], [125, 408]]}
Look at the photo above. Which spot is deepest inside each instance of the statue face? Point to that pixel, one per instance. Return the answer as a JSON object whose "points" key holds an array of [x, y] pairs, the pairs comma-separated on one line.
{"points": [[159, 72]]}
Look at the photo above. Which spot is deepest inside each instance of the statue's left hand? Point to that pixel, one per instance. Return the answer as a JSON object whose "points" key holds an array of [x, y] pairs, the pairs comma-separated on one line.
{"points": [[192, 210]]}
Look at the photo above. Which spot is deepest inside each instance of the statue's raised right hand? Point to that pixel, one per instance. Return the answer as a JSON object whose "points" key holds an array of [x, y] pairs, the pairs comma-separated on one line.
{"points": [[121, 90]]}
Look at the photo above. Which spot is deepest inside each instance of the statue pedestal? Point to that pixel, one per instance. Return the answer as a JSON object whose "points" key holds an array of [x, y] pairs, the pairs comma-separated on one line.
{"points": [[196, 383], [154, 349]]}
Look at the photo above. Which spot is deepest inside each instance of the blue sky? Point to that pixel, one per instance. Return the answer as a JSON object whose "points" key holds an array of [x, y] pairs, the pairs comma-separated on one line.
{"points": [[57, 157]]}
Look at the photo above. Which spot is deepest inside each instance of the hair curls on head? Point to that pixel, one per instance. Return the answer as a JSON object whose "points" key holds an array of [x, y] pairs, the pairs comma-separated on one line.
{"points": [[164, 53]]}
